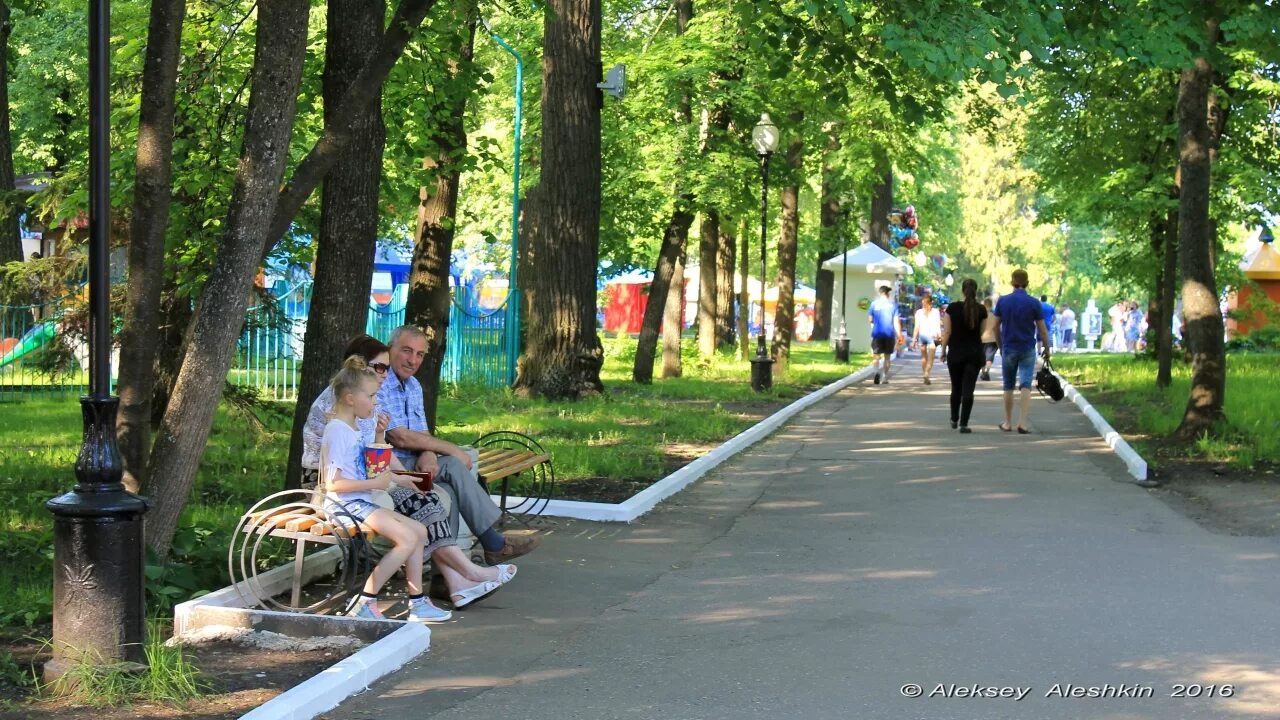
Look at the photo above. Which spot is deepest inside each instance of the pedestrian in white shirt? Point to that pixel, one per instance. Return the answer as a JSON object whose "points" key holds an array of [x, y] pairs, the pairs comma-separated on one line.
{"points": [[928, 329]]}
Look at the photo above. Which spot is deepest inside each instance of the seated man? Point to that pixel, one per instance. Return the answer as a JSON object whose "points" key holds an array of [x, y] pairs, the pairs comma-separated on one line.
{"points": [[417, 449]]}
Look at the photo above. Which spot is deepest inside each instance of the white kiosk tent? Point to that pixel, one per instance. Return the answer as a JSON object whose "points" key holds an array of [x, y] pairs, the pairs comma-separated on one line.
{"points": [[869, 267]]}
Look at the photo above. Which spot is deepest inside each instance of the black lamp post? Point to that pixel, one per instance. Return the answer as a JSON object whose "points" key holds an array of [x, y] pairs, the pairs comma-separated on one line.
{"points": [[764, 137], [842, 342], [97, 536]]}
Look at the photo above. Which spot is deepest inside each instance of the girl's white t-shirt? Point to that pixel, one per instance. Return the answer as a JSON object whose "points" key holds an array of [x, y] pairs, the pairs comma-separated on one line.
{"points": [[929, 325], [316, 420], [342, 452]]}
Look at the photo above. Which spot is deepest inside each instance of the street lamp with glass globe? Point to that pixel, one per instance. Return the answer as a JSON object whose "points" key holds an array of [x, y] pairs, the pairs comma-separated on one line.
{"points": [[764, 137]]}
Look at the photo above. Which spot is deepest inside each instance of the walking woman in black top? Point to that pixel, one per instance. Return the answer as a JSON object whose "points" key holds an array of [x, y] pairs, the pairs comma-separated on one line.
{"points": [[962, 351]]}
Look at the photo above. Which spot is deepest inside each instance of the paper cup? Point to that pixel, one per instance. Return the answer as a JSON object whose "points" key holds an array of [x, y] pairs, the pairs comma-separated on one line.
{"points": [[377, 459]]}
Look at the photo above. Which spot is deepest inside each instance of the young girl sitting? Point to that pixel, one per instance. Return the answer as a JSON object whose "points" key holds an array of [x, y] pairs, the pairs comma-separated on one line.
{"points": [[349, 493]]}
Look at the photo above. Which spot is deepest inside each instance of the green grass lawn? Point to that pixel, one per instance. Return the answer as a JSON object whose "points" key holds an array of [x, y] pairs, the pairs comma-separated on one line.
{"points": [[632, 433], [1123, 389]]}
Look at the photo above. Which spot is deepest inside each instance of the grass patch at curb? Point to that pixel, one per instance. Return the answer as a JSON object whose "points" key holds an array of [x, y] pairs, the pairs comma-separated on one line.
{"points": [[1123, 388]]}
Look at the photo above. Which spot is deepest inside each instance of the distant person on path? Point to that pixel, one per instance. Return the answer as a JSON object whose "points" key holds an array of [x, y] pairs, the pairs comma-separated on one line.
{"points": [[1132, 327], [886, 332], [1019, 317], [1049, 313], [1114, 342], [417, 449], [990, 338], [925, 335], [962, 351], [1067, 321]]}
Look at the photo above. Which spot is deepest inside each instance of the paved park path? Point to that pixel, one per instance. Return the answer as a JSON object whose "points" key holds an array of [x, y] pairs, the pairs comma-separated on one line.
{"points": [[862, 548]]}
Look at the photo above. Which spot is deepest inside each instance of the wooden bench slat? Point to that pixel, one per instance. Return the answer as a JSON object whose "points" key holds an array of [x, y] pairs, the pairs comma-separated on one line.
{"points": [[301, 523], [512, 466], [500, 456], [490, 452]]}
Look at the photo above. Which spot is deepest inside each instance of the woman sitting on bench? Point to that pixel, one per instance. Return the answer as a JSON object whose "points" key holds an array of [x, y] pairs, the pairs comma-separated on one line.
{"points": [[466, 582]]}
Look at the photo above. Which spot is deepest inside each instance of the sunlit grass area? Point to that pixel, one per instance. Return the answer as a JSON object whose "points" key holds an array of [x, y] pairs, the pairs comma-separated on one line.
{"points": [[1124, 390], [632, 432]]}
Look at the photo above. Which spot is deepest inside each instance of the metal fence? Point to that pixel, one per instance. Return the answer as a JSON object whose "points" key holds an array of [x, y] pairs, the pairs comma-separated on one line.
{"points": [[37, 359]]}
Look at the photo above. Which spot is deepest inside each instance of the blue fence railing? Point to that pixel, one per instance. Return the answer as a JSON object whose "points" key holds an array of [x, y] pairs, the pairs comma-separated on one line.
{"points": [[38, 356]]}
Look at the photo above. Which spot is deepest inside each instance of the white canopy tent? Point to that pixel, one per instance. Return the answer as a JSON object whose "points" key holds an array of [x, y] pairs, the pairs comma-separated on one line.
{"points": [[869, 267]]}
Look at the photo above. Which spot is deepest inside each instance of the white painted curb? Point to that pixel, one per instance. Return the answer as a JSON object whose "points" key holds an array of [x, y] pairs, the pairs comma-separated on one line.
{"points": [[346, 677], [645, 500], [1132, 460]]}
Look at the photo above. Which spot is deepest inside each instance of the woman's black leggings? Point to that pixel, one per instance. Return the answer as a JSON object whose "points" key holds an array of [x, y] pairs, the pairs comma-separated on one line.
{"points": [[964, 376]]}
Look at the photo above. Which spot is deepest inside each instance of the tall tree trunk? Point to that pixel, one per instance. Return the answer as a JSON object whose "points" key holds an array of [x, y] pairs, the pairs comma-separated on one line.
{"points": [[725, 256], [1155, 226], [10, 240], [881, 201], [673, 313], [665, 284], [563, 355], [709, 238], [153, 191], [280, 47], [348, 214], [668, 273], [1195, 241], [828, 244], [788, 243], [1168, 292], [366, 86], [744, 293], [175, 318], [429, 294]]}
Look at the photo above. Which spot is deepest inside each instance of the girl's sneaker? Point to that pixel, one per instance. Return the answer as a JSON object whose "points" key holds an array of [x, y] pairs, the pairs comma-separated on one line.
{"points": [[421, 610], [368, 611]]}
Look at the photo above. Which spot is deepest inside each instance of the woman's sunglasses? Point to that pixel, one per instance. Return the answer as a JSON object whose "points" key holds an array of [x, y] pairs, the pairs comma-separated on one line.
{"points": [[380, 368]]}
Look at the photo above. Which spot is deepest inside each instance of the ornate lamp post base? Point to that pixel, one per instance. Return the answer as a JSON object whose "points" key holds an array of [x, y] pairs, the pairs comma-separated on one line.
{"points": [[842, 349], [97, 555], [761, 368]]}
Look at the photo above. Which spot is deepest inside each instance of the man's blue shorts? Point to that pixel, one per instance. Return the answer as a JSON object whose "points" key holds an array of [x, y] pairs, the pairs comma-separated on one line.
{"points": [[1020, 364]]}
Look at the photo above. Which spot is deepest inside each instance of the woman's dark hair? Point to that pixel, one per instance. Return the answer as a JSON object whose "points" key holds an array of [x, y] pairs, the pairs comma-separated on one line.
{"points": [[972, 309], [366, 346]]}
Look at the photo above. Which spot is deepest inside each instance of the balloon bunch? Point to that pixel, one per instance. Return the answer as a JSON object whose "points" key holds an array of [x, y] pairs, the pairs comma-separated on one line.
{"points": [[902, 228]]}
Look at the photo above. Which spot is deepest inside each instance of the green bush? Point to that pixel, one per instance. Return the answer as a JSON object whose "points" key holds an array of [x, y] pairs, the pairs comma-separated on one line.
{"points": [[1265, 339]]}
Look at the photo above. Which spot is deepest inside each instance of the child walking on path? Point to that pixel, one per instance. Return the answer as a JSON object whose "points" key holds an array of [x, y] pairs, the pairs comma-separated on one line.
{"points": [[349, 493]]}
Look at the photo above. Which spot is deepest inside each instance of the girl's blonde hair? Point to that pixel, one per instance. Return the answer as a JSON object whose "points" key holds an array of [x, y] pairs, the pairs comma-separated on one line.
{"points": [[354, 373]]}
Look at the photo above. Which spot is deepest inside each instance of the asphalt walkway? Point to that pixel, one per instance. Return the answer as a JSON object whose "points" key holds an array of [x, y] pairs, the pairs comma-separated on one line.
{"points": [[861, 552]]}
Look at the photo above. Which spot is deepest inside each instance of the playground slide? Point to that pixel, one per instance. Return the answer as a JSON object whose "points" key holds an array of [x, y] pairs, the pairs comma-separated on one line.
{"points": [[32, 340]]}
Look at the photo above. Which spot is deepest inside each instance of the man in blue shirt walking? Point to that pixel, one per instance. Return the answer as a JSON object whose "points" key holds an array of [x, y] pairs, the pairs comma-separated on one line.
{"points": [[1050, 313], [886, 332], [1018, 318]]}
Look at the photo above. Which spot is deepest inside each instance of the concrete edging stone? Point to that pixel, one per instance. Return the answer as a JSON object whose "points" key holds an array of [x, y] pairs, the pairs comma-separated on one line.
{"points": [[1136, 465], [645, 500]]}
